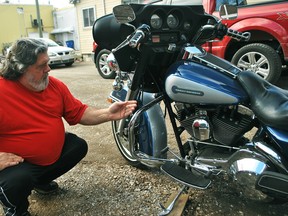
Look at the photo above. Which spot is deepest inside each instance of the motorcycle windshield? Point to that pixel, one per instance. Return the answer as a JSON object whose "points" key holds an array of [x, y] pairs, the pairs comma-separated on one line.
{"points": [[172, 2]]}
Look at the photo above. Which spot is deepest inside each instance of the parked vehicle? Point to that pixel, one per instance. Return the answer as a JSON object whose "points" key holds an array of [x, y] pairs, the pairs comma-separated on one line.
{"points": [[265, 53], [100, 60], [59, 54], [267, 50], [210, 103]]}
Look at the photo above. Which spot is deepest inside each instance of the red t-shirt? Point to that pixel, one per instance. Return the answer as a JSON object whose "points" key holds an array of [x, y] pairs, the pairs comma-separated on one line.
{"points": [[31, 124]]}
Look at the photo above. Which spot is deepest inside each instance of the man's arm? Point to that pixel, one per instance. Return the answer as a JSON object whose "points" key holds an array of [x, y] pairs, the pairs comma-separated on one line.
{"points": [[116, 111]]}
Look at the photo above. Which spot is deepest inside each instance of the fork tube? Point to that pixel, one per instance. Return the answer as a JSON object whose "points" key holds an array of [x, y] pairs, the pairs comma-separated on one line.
{"points": [[131, 95], [136, 81], [140, 68]]}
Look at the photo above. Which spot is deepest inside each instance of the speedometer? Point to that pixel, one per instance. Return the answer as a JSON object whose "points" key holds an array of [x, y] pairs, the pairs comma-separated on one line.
{"points": [[172, 21], [156, 21]]}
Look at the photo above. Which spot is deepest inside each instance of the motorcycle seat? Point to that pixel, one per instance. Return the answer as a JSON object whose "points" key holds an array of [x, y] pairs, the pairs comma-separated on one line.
{"points": [[268, 102]]}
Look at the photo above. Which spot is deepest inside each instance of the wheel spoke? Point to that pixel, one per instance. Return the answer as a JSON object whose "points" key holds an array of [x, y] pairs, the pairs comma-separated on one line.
{"points": [[262, 61], [105, 69], [251, 57], [103, 65], [263, 72], [243, 64]]}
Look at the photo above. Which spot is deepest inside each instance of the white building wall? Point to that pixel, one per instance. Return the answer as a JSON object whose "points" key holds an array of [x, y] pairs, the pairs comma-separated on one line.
{"points": [[65, 26], [102, 7], [69, 25]]}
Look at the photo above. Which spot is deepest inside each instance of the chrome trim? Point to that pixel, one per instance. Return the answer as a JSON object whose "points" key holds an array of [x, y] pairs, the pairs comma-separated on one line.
{"points": [[198, 54], [250, 165], [271, 155], [131, 135]]}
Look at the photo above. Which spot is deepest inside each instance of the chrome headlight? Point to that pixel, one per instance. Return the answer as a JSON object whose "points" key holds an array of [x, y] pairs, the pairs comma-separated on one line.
{"points": [[51, 54]]}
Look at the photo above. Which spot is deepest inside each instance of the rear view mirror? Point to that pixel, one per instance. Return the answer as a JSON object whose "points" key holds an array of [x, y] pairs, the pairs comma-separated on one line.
{"points": [[124, 13], [228, 12]]}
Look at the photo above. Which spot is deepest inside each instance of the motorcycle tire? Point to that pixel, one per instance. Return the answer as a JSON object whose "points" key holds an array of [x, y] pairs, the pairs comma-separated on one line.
{"points": [[122, 143], [260, 59], [102, 65]]}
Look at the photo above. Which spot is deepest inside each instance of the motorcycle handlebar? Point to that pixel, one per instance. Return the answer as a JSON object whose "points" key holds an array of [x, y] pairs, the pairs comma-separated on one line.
{"points": [[245, 36], [221, 30], [139, 35]]}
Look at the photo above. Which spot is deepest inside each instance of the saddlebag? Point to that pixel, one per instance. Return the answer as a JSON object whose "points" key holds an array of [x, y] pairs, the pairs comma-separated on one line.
{"points": [[272, 183]]}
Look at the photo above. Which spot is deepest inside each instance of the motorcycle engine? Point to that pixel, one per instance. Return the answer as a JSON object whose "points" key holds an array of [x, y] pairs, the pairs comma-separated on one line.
{"points": [[224, 124]]}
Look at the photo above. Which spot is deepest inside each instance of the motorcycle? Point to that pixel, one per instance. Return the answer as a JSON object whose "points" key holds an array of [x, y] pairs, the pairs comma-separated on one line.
{"points": [[209, 103]]}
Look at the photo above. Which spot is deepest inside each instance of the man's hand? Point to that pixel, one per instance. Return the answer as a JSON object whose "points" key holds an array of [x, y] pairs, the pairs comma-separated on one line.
{"points": [[120, 110], [9, 159]]}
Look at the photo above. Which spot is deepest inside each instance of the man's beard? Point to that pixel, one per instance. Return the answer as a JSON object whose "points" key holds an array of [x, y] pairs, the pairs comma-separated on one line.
{"points": [[39, 85]]}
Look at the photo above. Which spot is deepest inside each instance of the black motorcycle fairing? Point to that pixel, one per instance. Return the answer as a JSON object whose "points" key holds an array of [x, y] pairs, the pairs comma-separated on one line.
{"points": [[108, 33], [268, 102]]}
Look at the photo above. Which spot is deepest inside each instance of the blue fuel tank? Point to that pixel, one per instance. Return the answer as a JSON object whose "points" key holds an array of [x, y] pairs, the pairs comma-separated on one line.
{"points": [[192, 82]]}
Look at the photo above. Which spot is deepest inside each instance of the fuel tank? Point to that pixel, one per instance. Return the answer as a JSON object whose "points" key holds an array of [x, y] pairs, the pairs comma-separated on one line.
{"points": [[192, 82]]}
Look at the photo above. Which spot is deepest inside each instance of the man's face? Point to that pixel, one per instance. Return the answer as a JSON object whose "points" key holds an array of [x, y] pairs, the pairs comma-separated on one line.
{"points": [[36, 75]]}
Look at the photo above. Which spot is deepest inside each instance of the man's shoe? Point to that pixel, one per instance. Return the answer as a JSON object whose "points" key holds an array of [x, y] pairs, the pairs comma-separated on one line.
{"points": [[46, 188]]}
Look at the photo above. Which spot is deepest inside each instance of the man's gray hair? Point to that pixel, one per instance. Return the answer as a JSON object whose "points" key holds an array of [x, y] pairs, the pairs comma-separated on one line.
{"points": [[23, 53]]}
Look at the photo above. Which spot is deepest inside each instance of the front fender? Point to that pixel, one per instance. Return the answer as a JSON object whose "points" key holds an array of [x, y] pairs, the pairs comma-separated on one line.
{"points": [[153, 133], [265, 25], [256, 24]]}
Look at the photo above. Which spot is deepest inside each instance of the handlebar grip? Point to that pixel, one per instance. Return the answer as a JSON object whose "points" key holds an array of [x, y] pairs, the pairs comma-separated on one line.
{"points": [[136, 38], [140, 34], [245, 36]]}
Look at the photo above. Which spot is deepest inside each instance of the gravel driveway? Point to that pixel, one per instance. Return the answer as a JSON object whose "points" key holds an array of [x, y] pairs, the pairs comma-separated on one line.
{"points": [[103, 184]]}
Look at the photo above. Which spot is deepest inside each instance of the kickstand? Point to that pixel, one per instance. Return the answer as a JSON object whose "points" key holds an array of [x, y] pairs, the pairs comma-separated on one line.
{"points": [[166, 211]]}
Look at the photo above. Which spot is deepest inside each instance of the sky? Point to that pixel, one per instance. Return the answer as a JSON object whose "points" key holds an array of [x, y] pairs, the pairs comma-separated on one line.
{"points": [[55, 3]]}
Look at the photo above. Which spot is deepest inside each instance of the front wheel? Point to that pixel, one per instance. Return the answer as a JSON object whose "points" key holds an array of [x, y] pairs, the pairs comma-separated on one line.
{"points": [[69, 64], [260, 59], [122, 143]]}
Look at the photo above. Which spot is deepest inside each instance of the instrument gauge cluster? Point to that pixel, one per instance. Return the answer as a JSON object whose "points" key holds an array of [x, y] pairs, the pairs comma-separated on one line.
{"points": [[170, 24], [172, 21], [165, 20], [156, 21]]}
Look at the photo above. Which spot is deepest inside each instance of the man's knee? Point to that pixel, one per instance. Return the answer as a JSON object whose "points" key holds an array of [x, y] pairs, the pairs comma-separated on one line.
{"points": [[83, 146], [76, 144]]}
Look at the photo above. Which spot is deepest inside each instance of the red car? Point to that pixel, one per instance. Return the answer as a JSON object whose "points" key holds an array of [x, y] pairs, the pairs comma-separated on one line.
{"points": [[267, 51]]}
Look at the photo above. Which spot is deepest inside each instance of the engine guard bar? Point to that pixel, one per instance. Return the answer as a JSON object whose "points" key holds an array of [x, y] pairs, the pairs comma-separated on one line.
{"points": [[141, 156]]}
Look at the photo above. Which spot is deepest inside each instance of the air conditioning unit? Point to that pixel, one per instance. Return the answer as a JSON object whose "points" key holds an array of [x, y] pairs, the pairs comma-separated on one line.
{"points": [[35, 23], [74, 1]]}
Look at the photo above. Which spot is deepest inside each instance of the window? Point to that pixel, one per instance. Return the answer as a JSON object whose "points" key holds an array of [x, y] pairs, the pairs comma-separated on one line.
{"points": [[133, 1], [244, 2], [251, 2], [88, 16]]}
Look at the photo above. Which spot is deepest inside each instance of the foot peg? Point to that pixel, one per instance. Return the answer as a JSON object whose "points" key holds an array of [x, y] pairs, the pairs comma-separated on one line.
{"points": [[184, 176]]}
